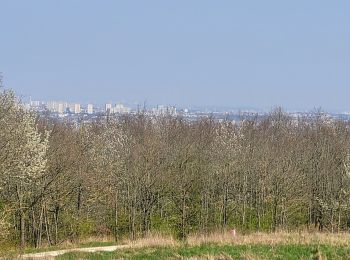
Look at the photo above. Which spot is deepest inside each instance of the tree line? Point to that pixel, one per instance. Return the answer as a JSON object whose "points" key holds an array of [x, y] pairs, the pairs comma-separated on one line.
{"points": [[128, 176]]}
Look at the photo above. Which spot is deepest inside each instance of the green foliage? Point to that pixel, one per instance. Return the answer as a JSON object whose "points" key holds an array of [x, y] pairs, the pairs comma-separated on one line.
{"points": [[86, 228]]}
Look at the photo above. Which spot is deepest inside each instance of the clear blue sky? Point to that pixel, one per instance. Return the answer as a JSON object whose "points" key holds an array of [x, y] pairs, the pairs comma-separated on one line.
{"points": [[182, 52]]}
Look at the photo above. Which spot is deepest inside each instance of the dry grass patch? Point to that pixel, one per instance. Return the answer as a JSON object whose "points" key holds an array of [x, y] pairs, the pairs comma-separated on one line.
{"points": [[153, 240], [226, 238], [280, 238]]}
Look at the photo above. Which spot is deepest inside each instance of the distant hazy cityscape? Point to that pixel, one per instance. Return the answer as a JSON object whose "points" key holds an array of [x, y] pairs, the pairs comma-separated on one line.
{"points": [[75, 111], [64, 109]]}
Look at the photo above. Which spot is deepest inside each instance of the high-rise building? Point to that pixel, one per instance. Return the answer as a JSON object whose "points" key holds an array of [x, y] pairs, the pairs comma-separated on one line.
{"points": [[61, 108], [34, 103], [108, 108], [77, 109], [90, 109], [164, 110], [172, 111], [121, 109], [57, 107]]}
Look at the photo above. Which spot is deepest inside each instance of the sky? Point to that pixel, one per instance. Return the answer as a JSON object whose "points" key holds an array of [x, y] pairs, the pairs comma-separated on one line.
{"points": [[260, 54]]}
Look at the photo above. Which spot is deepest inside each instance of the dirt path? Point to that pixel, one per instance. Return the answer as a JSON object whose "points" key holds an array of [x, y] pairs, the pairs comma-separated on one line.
{"points": [[52, 254]]}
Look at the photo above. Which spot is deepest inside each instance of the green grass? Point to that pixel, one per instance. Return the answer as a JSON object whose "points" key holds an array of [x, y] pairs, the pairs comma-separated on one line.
{"points": [[236, 252]]}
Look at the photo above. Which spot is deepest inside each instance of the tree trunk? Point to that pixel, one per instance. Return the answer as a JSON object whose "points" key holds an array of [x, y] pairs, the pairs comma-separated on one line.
{"points": [[116, 215], [21, 215], [47, 226], [22, 221], [183, 218], [224, 208], [57, 208], [40, 226]]}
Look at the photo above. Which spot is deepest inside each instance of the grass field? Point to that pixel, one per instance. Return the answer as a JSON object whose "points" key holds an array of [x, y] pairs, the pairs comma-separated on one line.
{"points": [[222, 252], [281, 245]]}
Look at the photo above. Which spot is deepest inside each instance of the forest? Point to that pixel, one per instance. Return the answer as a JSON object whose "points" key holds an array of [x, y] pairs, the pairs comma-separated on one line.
{"points": [[131, 175]]}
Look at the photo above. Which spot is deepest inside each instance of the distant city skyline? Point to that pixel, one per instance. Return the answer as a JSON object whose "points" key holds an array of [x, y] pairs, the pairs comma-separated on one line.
{"points": [[259, 54], [80, 113], [122, 107]]}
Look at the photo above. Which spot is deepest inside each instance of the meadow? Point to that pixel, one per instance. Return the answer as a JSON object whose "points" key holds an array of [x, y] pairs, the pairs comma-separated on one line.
{"points": [[213, 251], [280, 245]]}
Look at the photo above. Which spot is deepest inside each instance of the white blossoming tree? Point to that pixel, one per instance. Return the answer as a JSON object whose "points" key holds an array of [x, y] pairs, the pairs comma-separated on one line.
{"points": [[22, 156]]}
